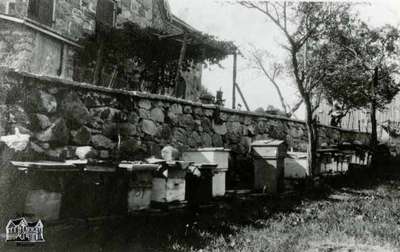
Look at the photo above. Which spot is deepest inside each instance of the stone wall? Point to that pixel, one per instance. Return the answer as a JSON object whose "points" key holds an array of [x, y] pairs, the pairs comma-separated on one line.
{"points": [[62, 116], [65, 114]]}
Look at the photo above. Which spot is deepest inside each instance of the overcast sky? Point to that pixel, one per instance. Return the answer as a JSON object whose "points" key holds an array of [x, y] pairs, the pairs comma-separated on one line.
{"points": [[246, 27]]}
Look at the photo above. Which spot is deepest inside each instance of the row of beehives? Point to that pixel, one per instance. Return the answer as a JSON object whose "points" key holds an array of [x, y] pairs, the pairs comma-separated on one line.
{"points": [[330, 161], [88, 188], [273, 164], [82, 188]]}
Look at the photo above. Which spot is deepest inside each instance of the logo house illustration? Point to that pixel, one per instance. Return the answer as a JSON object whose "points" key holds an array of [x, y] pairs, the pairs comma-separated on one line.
{"points": [[20, 230]]}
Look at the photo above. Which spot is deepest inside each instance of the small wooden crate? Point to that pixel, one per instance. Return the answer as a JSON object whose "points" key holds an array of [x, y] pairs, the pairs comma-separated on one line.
{"points": [[219, 156], [140, 184], [44, 192], [169, 186]]}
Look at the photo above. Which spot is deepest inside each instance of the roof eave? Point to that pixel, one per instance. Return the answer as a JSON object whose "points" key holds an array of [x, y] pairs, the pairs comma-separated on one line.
{"points": [[182, 24]]}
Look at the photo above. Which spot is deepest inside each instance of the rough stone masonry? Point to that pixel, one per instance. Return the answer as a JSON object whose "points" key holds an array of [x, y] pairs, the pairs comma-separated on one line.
{"points": [[69, 120]]}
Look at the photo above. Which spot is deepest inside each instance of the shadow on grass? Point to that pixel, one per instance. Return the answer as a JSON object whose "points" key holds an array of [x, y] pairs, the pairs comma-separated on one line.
{"points": [[195, 228]]}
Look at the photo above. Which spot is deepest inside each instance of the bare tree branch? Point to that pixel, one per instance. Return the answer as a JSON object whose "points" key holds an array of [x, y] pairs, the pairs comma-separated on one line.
{"points": [[276, 20], [284, 16], [295, 108], [271, 79]]}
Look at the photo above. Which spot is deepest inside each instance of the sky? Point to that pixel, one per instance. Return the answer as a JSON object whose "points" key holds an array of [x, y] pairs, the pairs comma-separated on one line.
{"points": [[248, 29]]}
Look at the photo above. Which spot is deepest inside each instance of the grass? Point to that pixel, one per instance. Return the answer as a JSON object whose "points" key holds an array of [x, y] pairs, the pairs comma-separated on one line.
{"points": [[346, 217], [355, 214], [355, 223]]}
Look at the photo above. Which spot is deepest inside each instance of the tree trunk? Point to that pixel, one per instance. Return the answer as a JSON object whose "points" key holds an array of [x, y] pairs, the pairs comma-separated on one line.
{"points": [[234, 81], [374, 133], [312, 134]]}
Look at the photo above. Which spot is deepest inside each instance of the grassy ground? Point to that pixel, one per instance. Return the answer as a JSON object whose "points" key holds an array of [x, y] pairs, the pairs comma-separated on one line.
{"points": [[355, 214], [348, 220]]}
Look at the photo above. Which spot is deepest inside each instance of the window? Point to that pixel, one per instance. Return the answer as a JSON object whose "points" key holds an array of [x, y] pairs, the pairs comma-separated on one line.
{"points": [[41, 11], [105, 12], [11, 8]]}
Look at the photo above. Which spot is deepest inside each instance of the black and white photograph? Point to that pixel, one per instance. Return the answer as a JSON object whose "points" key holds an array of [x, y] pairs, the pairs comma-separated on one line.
{"points": [[199, 125]]}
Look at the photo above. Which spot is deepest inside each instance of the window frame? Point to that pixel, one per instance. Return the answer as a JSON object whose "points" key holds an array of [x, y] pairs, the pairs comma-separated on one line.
{"points": [[36, 11]]}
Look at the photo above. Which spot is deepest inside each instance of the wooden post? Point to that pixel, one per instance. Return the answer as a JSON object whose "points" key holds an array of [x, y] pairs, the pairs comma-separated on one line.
{"points": [[180, 62], [234, 81], [99, 59], [241, 95]]}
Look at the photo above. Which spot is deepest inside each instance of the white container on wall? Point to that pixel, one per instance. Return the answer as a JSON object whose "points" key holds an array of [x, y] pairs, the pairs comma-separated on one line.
{"points": [[219, 156]]}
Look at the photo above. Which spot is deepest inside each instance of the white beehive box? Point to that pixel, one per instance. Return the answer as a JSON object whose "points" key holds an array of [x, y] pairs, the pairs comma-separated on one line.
{"points": [[219, 156], [140, 184], [329, 160], [40, 203], [269, 148], [296, 165], [171, 187], [139, 198], [332, 166], [269, 162]]}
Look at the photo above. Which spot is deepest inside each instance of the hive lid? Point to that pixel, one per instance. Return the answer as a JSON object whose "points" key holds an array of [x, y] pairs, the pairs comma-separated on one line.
{"points": [[45, 166], [214, 149], [99, 168], [133, 166], [153, 160], [328, 150], [77, 161], [206, 165], [297, 155], [267, 142]]}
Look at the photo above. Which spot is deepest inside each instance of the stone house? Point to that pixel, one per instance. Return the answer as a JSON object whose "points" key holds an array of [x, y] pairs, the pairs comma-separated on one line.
{"points": [[41, 36]]}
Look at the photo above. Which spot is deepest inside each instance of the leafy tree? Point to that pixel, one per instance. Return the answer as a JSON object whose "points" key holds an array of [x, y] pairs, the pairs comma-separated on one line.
{"points": [[305, 25], [369, 63]]}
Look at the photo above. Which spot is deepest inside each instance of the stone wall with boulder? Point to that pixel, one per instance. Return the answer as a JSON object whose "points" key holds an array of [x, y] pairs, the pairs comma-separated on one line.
{"points": [[69, 120]]}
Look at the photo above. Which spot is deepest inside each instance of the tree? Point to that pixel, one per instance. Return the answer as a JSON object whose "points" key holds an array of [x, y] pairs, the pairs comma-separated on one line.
{"points": [[369, 65], [304, 25], [272, 73]]}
